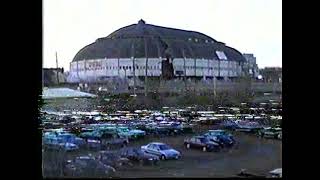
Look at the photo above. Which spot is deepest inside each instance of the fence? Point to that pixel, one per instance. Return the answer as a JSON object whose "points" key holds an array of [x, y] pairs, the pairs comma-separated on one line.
{"points": [[179, 86]]}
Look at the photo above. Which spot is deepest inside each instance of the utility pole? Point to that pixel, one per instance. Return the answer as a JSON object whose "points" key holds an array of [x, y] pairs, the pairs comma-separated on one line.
{"points": [[160, 59], [118, 67], [219, 67], [214, 86], [134, 69], [184, 70], [195, 67], [57, 68], [146, 73]]}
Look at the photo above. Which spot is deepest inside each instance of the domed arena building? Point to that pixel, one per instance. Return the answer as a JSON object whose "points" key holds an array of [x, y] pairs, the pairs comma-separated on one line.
{"points": [[143, 50]]}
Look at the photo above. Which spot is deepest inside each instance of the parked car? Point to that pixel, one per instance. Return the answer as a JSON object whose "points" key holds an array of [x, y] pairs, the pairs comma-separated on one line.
{"points": [[276, 173], [87, 166], [219, 132], [280, 135], [187, 129], [231, 125], [137, 155], [245, 174], [64, 137], [109, 143], [221, 137], [162, 131], [98, 134], [61, 141], [56, 144], [178, 128], [270, 132], [162, 150], [248, 126], [114, 159], [201, 142], [130, 133]]}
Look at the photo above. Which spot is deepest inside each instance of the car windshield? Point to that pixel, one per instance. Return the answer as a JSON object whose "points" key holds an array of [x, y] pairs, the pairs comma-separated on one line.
{"points": [[204, 140], [217, 132], [124, 130], [67, 136], [164, 147]]}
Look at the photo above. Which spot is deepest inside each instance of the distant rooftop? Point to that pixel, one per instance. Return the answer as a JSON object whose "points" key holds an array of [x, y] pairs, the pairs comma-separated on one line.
{"points": [[52, 93]]}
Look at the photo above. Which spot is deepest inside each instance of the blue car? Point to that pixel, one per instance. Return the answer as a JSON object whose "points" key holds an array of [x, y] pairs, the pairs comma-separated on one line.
{"points": [[56, 144], [221, 137], [229, 125], [162, 150], [63, 137]]}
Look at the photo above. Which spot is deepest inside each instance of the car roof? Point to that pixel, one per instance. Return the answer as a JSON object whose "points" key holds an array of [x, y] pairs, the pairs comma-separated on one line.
{"points": [[216, 130], [198, 137], [157, 143]]}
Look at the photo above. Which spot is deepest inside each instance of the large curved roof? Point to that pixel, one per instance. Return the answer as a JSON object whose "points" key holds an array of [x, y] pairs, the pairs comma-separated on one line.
{"points": [[129, 41]]}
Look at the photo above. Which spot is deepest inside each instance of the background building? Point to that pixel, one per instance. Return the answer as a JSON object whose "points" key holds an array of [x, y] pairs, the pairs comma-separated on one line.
{"points": [[148, 51], [272, 74], [250, 66], [53, 76]]}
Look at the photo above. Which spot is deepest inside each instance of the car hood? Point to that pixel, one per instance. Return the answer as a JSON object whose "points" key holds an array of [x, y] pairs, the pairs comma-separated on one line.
{"points": [[136, 131], [213, 143], [171, 151]]}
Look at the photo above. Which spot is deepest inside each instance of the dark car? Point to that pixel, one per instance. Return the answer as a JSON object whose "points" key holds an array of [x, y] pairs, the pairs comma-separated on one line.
{"points": [[201, 142], [187, 129], [221, 137], [230, 125], [270, 132], [137, 155], [114, 159], [175, 129], [110, 143], [87, 166], [161, 131]]}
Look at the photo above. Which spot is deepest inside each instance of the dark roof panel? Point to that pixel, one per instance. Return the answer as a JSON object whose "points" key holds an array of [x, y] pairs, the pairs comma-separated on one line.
{"points": [[160, 40]]}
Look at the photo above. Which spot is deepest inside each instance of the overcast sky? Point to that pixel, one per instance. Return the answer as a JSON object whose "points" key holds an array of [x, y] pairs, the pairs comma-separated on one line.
{"points": [[250, 26]]}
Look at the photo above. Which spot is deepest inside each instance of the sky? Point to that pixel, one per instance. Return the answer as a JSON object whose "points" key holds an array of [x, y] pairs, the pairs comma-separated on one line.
{"points": [[250, 26]]}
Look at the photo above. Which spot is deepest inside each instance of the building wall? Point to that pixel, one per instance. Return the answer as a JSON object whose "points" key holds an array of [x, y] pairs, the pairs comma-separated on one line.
{"points": [[251, 66], [92, 70]]}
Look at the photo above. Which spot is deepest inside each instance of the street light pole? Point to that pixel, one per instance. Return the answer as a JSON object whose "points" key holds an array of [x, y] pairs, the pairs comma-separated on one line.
{"points": [[57, 68], [146, 72], [134, 69]]}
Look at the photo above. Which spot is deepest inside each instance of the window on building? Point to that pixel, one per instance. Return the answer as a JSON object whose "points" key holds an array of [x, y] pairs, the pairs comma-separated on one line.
{"points": [[221, 55], [137, 67], [130, 67], [120, 67]]}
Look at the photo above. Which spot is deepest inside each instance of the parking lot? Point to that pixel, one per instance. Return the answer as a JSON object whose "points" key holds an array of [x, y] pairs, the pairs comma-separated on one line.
{"points": [[253, 152], [257, 155]]}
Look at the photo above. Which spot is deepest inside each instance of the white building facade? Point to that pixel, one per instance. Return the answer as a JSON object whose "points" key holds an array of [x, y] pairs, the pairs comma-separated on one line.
{"points": [[98, 69]]}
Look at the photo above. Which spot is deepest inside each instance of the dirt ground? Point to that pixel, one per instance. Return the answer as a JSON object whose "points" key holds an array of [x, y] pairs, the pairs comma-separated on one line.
{"points": [[258, 156]]}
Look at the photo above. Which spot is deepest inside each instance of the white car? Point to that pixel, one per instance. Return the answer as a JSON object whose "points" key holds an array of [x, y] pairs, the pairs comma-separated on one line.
{"points": [[162, 150]]}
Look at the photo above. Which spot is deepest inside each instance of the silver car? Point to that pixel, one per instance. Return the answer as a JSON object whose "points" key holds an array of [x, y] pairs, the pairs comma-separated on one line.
{"points": [[162, 150]]}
